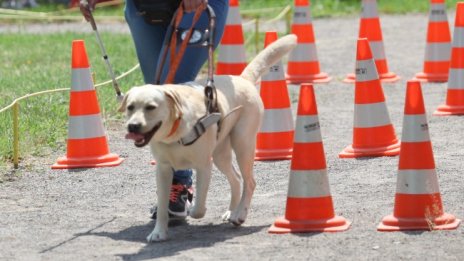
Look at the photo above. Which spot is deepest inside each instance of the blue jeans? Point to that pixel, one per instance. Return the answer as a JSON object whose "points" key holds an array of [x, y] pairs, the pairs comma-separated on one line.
{"points": [[148, 40]]}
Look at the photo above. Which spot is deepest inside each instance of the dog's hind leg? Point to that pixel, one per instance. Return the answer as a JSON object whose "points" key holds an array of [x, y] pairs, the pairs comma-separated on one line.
{"points": [[222, 158], [245, 153]]}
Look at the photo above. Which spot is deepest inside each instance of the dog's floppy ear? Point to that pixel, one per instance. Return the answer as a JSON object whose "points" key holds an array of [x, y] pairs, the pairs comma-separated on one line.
{"points": [[122, 106], [175, 101]]}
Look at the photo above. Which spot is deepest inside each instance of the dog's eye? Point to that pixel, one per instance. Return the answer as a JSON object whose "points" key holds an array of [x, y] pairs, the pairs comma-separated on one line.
{"points": [[150, 107], [130, 107]]}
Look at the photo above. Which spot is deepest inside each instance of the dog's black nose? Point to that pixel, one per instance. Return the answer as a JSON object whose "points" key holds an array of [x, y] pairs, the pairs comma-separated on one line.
{"points": [[134, 127]]}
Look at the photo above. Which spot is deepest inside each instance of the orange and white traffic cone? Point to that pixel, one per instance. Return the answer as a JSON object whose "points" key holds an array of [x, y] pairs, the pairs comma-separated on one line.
{"points": [[309, 202], [275, 138], [438, 48], [455, 93], [369, 27], [231, 51], [303, 64], [373, 132], [87, 143], [418, 203]]}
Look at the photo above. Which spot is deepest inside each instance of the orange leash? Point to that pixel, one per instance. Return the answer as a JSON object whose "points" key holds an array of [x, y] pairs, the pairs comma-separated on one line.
{"points": [[176, 56]]}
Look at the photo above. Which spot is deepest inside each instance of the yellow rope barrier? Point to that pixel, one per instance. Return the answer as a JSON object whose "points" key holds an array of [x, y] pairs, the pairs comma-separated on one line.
{"points": [[260, 11], [63, 89], [284, 12], [59, 18], [20, 12], [16, 135]]}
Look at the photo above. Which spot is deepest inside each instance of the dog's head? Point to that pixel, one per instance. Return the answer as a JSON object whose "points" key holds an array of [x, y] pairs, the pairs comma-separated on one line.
{"points": [[151, 111]]}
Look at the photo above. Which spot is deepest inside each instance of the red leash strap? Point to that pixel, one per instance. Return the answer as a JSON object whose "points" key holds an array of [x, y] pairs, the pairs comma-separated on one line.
{"points": [[176, 57]]}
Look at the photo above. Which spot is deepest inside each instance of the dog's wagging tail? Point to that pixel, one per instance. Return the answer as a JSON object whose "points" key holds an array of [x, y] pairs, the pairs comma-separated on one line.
{"points": [[268, 57]]}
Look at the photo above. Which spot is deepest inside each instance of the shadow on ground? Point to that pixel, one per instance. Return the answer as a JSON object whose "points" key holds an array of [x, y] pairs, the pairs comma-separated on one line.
{"points": [[182, 237]]}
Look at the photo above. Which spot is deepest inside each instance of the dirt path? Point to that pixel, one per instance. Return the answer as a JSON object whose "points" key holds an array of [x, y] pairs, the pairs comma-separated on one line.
{"points": [[102, 214]]}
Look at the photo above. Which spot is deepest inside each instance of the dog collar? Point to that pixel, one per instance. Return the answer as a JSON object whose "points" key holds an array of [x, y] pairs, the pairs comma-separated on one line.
{"points": [[174, 128]]}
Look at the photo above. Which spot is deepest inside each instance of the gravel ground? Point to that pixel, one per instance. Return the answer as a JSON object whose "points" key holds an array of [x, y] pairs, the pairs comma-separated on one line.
{"points": [[103, 214]]}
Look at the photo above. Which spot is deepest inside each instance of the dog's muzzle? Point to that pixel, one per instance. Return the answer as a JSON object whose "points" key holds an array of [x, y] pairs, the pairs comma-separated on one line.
{"points": [[142, 139]]}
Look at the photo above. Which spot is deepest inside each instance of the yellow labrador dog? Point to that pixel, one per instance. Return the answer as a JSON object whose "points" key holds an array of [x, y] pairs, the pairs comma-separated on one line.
{"points": [[162, 115]]}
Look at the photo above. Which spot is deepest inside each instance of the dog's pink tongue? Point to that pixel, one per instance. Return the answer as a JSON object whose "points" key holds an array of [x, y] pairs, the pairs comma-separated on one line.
{"points": [[134, 136]]}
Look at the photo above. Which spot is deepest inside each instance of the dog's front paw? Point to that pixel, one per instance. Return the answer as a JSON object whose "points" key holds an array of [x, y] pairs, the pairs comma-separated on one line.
{"points": [[157, 236], [196, 212], [238, 217], [226, 216]]}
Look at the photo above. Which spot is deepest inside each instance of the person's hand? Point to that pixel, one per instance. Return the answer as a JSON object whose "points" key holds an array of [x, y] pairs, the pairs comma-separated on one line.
{"points": [[86, 9], [192, 5]]}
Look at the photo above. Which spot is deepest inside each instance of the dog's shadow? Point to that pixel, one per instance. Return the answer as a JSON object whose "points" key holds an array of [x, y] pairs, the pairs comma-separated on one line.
{"points": [[182, 237]]}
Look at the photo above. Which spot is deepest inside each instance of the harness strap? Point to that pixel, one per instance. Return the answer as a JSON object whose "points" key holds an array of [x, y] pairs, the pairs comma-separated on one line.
{"points": [[200, 128], [176, 57]]}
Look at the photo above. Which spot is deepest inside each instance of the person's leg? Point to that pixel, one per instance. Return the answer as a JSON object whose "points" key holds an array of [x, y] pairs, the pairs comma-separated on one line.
{"points": [[148, 40]]}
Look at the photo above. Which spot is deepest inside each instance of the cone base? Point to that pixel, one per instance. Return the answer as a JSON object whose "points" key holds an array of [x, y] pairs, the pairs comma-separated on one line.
{"points": [[428, 77], [262, 155], [444, 222], [109, 160], [389, 77], [335, 224], [390, 150], [446, 110], [309, 78]]}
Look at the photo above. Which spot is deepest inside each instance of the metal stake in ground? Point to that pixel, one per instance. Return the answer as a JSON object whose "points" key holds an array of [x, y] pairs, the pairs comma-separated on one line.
{"points": [[102, 48]]}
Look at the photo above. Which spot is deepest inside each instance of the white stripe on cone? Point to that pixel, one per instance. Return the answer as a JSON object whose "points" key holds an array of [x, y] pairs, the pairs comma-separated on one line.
{"points": [[81, 80], [234, 17], [301, 15], [270, 116], [378, 50], [366, 71], [435, 52], [456, 79], [369, 9], [86, 126], [303, 52], [275, 73], [417, 181], [307, 129], [231, 53], [458, 37], [371, 115], [415, 128], [438, 13], [308, 184]]}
